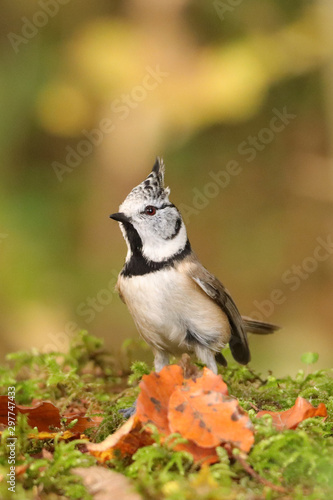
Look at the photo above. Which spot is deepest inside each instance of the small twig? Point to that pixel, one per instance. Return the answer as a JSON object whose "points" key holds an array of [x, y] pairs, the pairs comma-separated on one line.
{"points": [[189, 369], [247, 467], [256, 376]]}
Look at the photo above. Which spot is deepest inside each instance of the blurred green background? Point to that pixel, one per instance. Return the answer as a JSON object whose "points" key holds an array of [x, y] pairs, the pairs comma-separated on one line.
{"points": [[236, 91]]}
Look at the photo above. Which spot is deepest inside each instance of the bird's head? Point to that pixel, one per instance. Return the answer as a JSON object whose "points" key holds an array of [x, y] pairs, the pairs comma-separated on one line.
{"points": [[150, 223]]}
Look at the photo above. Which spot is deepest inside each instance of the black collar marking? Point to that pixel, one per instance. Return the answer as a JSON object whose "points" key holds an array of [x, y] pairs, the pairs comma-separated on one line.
{"points": [[138, 265], [177, 229]]}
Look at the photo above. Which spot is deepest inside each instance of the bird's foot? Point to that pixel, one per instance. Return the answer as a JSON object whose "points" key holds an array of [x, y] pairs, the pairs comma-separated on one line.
{"points": [[128, 412]]}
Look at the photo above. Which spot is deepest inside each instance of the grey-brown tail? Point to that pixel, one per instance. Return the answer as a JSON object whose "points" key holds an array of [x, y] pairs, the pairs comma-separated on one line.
{"points": [[259, 327], [250, 326]]}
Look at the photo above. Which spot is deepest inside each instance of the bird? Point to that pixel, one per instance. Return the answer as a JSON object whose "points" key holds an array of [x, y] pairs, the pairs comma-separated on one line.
{"points": [[177, 305]]}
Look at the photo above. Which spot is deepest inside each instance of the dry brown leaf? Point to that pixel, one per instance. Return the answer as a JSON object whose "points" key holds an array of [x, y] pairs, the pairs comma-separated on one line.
{"points": [[127, 439], [104, 484], [83, 423], [20, 469], [291, 418], [199, 408], [45, 415], [42, 415]]}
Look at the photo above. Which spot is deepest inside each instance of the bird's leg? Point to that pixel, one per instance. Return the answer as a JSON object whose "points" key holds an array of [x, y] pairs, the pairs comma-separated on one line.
{"points": [[206, 356], [161, 359]]}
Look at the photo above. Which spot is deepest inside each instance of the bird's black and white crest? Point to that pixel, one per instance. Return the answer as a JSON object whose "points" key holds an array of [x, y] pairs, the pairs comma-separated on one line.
{"points": [[151, 190], [152, 226]]}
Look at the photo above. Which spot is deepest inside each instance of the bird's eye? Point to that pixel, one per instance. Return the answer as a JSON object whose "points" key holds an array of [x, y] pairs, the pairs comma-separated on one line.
{"points": [[150, 210]]}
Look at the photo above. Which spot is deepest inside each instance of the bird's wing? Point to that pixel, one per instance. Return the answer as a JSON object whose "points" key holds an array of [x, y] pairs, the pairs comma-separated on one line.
{"points": [[217, 292]]}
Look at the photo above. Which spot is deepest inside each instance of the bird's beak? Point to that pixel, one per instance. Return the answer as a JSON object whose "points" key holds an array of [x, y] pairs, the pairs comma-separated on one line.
{"points": [[120, 217]]}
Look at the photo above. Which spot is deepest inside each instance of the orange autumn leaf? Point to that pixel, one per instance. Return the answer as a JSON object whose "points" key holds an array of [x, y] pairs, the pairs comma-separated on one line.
{"points": [[161, 402], [45, 415], [211, 382], [20, 469], [61, 436], [153, 400], [196, 405], [291, 418], [208, 417], [127, 439], [82, 423], [153, 406], [205, 456], [42, 415]]}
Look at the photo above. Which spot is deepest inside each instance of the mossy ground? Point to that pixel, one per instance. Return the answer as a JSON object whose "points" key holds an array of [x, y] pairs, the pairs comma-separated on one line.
{"points": [[87, 377]]}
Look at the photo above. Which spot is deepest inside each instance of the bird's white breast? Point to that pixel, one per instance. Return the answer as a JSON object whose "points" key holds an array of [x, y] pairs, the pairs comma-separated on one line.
{"points": [[166, 304]]}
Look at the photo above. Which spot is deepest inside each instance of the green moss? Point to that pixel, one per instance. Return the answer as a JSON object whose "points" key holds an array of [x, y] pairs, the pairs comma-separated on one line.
{"points": [[301, 460], [138, 369], [46, 473]]}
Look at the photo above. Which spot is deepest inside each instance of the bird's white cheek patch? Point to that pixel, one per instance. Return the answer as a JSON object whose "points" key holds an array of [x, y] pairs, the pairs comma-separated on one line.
{"points": [[159, 249]]}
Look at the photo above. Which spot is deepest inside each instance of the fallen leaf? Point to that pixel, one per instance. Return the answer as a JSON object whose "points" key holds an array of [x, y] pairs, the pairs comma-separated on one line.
{"points": [[198, 408], [61, 436], [127, 439], [44, 415], [202, 456], [104, 484], [211, 382], [20, 469], [83, 423], [46, 454], [155, 391], [291, 418], [208, 417]]}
